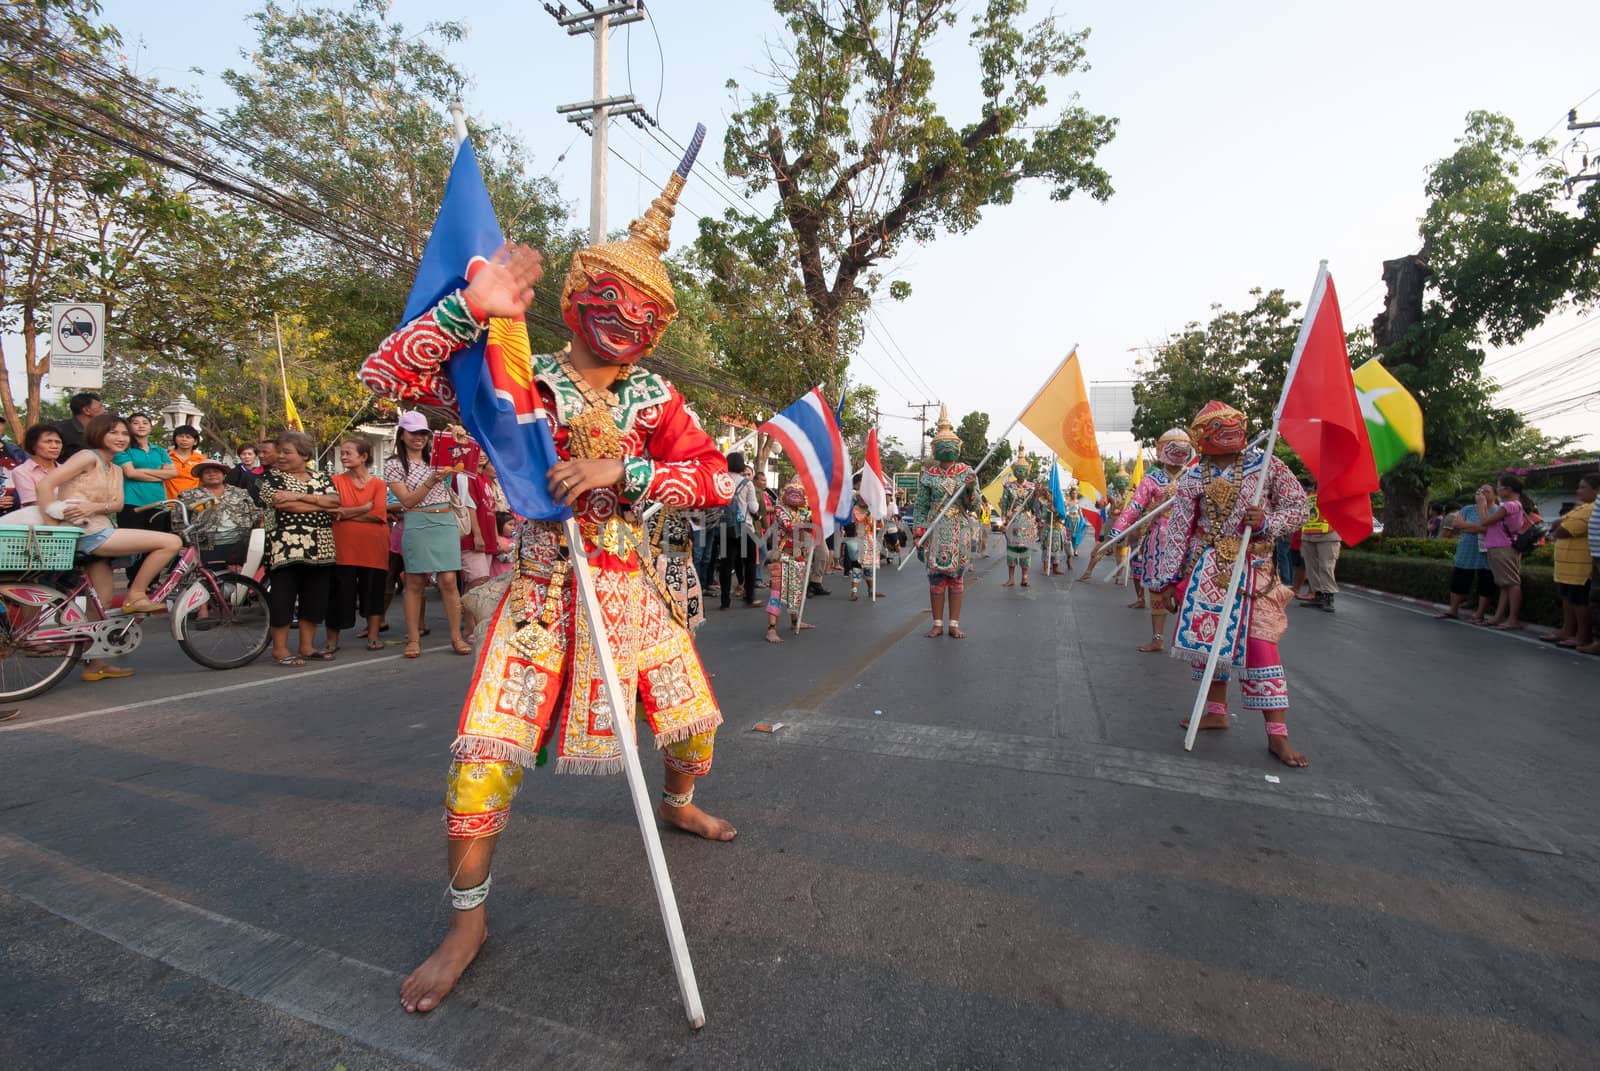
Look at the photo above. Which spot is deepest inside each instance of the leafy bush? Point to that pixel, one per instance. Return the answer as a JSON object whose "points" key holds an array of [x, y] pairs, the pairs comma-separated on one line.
{"points": [[1429, 578], [1445, 549]]}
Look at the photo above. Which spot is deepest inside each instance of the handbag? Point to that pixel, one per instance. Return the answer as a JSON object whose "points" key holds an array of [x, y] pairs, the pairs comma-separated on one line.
{"points": [[462, 511]]}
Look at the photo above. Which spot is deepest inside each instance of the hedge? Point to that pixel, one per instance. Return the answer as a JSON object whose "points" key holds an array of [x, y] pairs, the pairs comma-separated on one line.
{"points": [[1411, 547], [1429, 578]]}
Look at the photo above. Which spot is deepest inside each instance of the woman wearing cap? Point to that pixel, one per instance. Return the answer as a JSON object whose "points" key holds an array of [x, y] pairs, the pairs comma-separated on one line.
{"points": [[221, 516], [184, 457], [431, 542]]}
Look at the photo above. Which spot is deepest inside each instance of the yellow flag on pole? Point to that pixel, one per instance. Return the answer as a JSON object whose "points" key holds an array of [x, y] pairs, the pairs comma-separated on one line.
{"points": [[1138, 470], [1060, 416], [996, 488], [291, 415]]}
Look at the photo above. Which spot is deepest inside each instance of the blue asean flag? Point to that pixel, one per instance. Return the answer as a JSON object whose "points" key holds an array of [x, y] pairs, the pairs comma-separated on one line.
{"points": [[492, 378], [1056, 492]]}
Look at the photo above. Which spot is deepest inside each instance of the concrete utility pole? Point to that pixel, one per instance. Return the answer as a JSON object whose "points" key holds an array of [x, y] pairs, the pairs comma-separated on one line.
{"points": [[922, 428], [1582, 176], [594, 115]]}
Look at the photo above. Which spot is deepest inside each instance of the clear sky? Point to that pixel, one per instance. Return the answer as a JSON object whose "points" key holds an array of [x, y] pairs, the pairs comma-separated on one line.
{"points": [[1256, 138]]}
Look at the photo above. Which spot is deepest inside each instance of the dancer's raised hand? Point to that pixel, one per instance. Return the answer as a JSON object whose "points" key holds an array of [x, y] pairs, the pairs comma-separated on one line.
{"points": [[503, 285]]}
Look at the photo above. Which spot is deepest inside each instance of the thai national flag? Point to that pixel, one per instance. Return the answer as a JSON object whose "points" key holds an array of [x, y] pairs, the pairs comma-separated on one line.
{"points": [[809, 434], [493, 377]]}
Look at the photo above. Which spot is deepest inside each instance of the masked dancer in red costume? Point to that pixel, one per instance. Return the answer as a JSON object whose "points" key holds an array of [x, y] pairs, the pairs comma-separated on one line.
{"points": [[624, 435], [1210, 510]]}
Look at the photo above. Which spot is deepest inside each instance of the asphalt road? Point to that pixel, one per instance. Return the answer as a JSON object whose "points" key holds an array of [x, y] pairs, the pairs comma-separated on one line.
{"points": [[989, 853]]}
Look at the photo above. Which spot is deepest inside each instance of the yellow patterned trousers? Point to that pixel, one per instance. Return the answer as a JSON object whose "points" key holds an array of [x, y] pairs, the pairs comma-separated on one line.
{"points": [[478, 793]]}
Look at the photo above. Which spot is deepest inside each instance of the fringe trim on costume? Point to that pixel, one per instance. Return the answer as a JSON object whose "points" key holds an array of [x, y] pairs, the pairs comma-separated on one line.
{"points": [[684, 732], [575, 765], [483, 748]]}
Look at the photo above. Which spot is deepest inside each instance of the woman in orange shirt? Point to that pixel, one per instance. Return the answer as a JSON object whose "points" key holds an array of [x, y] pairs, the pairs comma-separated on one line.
{"points": [[360, 546], [183, 458]]}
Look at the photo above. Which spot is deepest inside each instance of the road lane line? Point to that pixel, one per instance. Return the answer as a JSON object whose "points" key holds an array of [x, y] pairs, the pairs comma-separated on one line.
{"points": [[204, 692], [355, 999], [1458, 816]]}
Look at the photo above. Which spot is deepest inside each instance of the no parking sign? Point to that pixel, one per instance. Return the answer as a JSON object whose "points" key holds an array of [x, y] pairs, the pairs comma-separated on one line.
{"points": [[77, 344]]}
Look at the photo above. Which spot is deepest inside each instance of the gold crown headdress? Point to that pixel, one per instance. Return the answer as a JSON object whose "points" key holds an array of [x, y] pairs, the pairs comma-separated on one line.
{"points": [[637, 258], [943, 432]]}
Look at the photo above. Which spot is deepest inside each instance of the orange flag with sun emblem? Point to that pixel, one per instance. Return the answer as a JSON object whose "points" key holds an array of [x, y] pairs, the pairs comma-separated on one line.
{"points": [[1059, 414]]}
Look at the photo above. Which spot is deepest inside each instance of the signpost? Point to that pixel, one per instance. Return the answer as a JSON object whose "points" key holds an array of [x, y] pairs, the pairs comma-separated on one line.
{"points": [[77, 345]]}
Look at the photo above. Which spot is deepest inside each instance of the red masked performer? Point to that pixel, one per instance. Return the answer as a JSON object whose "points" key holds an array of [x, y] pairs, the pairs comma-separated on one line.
{"points": [[624, 435], [1210, 510]]}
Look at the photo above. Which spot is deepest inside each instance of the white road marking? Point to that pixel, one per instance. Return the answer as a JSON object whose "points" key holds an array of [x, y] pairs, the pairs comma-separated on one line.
{"points": [[202, 693], [355, 999]]}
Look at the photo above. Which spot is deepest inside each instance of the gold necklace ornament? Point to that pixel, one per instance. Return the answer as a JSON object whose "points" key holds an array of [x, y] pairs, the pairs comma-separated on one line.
{"points": [[593, 431]]}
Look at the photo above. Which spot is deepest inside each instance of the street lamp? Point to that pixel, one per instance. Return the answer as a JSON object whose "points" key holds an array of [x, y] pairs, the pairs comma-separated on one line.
{"points": [[181, 412]]}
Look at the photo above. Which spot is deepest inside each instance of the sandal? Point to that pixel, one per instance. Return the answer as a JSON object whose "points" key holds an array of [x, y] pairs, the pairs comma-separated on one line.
{"points": [[413, 649], [289, 660], [317, 656], [461, 647], [376, 645]]}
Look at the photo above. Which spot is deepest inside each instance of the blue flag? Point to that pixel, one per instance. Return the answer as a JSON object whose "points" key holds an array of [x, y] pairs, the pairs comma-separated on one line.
{"points": [[1056, 491], [499, 402]]}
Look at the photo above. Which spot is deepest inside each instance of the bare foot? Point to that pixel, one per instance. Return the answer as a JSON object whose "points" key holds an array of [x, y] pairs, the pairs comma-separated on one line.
{"points": [[692, 819], [1147, 648], [935, 631], [1009, 583], [772, 635], [1136, 605], [1211, 720], [803, 626], [1279, 746], [957, 633], [430, 983], [1509, 626], [1083, 578]]}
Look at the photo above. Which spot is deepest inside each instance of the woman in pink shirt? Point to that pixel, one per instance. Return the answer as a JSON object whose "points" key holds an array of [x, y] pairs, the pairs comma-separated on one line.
{"points": [[1502, 522], [43, 443]]}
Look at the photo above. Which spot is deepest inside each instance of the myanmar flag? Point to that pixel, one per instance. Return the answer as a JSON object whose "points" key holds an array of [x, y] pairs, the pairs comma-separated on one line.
{"points": [[1394, 419]]}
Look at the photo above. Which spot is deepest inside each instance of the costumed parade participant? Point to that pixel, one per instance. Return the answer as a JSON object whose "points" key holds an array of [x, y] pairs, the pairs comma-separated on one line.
{"points": [[788, 538], [672, 547], [1016, 507], [1053, 549], [623, 435], [863, 545], [1174, 452], [1210, 510], [952, 484]]}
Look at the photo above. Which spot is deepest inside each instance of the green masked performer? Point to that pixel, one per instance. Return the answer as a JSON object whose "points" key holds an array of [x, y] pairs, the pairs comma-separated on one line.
{"points": [[948, 551], [1017, 507]]}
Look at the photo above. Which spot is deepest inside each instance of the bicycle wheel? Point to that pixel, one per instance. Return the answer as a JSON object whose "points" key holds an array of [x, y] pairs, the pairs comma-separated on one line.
{"points": [[27, 667], [231, 628]]}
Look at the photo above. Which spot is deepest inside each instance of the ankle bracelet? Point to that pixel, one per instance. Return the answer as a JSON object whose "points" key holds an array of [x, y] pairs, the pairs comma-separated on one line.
{"points": [[677, 799], [467, 899]]}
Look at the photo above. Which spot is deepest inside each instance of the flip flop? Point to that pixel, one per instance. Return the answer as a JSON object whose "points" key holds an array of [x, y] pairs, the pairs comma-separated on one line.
{"points": [[289, 660], [317, 656], [376, 645]]}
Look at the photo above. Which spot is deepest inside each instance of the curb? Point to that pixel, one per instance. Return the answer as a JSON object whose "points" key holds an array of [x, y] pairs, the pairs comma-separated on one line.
{"points": [[1529, 634]]}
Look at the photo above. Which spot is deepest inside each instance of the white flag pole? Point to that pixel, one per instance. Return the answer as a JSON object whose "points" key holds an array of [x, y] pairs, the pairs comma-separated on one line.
{"points": [[622, 724], [1239, 562], [928, 529], [805, 583]]}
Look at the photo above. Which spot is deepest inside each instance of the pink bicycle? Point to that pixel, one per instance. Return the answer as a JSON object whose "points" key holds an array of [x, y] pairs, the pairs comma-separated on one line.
{"points": [[218, 618]]}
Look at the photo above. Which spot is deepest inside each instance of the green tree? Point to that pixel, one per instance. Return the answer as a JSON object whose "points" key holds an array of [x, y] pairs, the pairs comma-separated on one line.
{"points": [[1239, 357], [349, 111], [1499, 255], [84, 210], [862, 160]]}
